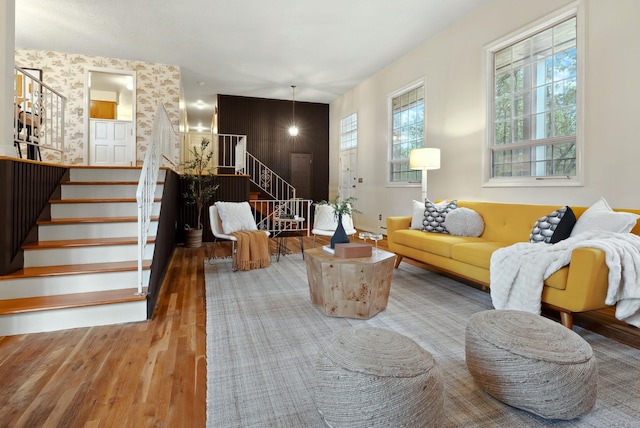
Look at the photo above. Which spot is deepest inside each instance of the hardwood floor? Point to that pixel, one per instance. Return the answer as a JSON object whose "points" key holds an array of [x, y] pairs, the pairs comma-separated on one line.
{"points": [[134, 375], [144, 374]]}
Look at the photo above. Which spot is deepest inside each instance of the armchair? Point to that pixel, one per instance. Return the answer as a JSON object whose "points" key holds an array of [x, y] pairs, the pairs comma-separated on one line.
{"points": [[325, 222]]}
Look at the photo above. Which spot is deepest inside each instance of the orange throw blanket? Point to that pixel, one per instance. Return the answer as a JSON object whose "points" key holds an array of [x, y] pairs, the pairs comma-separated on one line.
{"points": [[252, 250]]}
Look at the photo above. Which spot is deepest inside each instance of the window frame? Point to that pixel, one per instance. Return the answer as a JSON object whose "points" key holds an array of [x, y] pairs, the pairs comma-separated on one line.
{"points": [[575, 9], [408, 88], [353, 118]]}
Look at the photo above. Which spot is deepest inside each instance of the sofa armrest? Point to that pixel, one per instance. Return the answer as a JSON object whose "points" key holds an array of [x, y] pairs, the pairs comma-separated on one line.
{"points": [[587, 282], [397, 223]]}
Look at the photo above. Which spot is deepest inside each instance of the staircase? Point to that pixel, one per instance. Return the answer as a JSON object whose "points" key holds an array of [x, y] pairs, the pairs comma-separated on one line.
{"points": [[82, 271]]}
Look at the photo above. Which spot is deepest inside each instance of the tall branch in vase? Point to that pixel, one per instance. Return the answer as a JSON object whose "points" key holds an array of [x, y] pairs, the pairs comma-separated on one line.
{"points": [[197, 172]]}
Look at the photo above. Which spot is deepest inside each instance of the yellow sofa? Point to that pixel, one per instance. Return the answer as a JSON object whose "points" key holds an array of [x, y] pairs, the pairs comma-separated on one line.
{"points": [[581, 286]]}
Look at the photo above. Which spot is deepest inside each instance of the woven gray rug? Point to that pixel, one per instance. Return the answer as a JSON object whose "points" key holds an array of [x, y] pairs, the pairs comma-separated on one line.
{"points": [[264, 334]]}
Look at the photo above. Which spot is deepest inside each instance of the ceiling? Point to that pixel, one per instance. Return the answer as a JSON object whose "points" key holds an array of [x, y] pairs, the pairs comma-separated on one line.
{"points": [[253, 48]]}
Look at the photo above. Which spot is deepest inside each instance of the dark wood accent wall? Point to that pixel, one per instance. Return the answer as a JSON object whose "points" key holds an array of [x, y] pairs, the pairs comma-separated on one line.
{"points": [[165, 239], [25, 189], [265, 122], [233, 188]]}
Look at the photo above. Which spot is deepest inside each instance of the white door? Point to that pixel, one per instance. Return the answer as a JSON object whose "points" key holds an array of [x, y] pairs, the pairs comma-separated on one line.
{"points": [[112, 143], [348, 173]]}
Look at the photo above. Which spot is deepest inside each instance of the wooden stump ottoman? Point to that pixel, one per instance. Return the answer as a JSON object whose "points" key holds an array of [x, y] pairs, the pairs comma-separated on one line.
{"points": [[532, 363], [372, 377]]}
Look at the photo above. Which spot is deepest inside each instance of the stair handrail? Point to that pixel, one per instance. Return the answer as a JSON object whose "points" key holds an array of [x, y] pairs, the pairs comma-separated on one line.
{"points": [[162, 138], [232, 155], [267, 180], [38, 119]]}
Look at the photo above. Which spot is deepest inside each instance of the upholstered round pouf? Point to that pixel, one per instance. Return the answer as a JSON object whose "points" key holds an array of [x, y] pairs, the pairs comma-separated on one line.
{"points": [[369, 377], [531, 363]]}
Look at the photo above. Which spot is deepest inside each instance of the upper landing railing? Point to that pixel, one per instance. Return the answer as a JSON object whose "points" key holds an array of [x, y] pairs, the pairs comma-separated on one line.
{"points": [[38, 116]]}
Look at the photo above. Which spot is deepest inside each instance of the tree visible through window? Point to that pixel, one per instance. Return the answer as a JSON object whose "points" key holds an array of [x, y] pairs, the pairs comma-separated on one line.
{"points": [[535, 105], [407, 116]]}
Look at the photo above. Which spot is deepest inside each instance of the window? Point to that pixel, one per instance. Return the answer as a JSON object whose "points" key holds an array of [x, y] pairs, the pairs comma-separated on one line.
{"points": [[349, 132], [534, 104], [407, 133]]}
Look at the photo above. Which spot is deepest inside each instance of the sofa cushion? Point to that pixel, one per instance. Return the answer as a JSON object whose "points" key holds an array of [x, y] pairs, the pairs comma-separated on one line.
{"points": [[553, 227], [476, 253], [436, 243], [435, 214]]}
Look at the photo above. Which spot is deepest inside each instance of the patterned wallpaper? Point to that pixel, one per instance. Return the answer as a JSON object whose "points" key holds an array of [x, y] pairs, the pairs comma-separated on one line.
{"points": [[65, 73]]}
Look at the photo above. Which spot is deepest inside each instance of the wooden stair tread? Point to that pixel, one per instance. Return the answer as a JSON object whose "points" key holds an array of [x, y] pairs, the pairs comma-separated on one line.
{"points": [[93, 220], [88, 242], [96, 200], [77, 269], [65, 301]]}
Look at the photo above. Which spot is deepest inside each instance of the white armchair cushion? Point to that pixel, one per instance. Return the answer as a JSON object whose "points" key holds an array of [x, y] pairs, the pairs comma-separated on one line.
{"points": [[325, 221], [236, 216], [324, 218]]}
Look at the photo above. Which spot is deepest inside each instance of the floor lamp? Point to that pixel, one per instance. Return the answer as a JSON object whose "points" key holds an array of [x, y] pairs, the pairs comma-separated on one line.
{"points": [[424, 159]]}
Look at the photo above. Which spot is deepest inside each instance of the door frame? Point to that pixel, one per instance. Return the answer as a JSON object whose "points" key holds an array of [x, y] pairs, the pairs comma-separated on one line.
{"points": [[87, 108]]}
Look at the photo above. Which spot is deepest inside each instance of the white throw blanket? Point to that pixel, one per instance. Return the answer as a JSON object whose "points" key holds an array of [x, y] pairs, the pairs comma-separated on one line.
{"points": [[518, 271]]}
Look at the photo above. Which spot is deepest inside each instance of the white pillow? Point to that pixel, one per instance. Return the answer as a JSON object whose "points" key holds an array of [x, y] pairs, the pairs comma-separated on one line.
{"points": [[600, 216], [417, 215], [324, 218], [236, 216]]}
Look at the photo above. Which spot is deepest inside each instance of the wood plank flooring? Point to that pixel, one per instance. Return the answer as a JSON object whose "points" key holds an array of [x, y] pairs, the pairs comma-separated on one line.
{"points": [[136, 375]]}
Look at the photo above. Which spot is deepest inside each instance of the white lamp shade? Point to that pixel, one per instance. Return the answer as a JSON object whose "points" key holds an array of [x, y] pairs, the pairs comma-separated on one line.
{"points": [[425, 158]]}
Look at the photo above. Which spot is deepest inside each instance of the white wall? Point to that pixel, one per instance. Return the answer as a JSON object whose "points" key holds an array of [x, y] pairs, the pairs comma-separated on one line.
{"points": [[7, 38], [453, 66]]}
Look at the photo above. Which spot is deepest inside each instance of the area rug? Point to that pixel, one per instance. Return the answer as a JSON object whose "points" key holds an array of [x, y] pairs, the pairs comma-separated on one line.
{"points": [[264, 334]]}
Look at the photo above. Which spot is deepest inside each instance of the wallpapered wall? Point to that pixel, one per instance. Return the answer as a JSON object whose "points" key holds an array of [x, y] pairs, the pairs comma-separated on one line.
{"points": [[65, 73]]}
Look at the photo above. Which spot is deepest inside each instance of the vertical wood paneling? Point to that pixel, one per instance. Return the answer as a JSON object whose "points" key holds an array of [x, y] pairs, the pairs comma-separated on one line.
{"points": [[27, 188], [233, 188], [265, 122], [165, 239]]}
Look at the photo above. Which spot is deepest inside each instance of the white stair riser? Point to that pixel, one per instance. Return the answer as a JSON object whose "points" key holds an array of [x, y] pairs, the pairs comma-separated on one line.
{"points": [[109, 174], [54, 232], [105, 209], [83, 255], [103, 191], [62, 319], [69, 284]]}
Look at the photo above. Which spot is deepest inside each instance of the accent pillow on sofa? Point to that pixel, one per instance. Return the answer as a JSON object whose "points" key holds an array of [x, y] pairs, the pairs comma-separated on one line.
{"points": [[236, 216], [435, 214], [554, 227], [600, 216], [417, 215], [464, 222]]}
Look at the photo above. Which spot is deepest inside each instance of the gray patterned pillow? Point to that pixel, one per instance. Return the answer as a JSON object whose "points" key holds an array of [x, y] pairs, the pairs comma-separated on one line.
{"points": [[553, 227], [434, 215]]}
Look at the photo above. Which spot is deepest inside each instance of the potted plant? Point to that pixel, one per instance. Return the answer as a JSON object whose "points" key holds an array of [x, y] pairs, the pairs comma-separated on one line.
{"points": [[199, 187], [340, 208]]}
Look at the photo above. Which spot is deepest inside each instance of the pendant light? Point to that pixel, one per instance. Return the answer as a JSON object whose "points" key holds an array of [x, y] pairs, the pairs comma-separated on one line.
{"points": [[293, 129]]}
